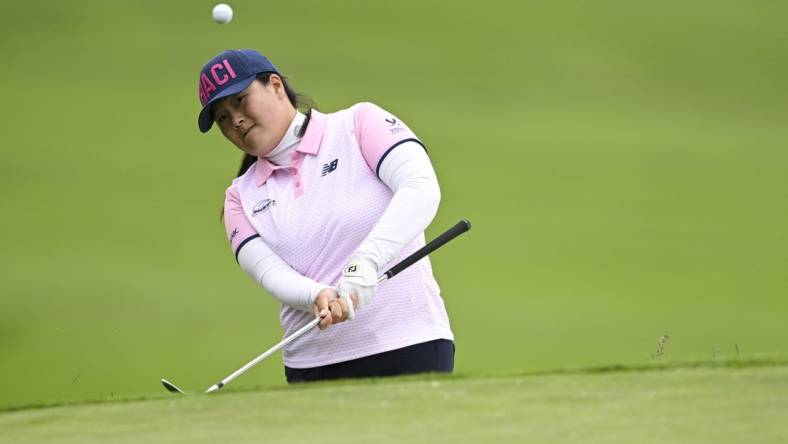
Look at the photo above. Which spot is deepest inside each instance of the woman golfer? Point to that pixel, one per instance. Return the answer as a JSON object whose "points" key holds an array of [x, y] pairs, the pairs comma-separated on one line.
{"points": [[322, 204]]}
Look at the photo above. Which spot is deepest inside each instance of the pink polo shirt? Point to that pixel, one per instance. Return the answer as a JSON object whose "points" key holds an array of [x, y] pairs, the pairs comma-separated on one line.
{"points": [[315, 214]]}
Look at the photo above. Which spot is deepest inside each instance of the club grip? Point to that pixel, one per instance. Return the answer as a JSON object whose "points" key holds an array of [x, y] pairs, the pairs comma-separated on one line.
{"points": [[460, 227]]}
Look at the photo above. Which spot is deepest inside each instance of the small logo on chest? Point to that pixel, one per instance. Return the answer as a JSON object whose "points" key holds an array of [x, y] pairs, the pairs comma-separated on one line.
{"points": [[329, 167], [262, 206]]}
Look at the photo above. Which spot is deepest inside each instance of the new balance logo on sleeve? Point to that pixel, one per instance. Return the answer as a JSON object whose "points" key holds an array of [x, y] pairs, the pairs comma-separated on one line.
{"points": [[329, 167]]}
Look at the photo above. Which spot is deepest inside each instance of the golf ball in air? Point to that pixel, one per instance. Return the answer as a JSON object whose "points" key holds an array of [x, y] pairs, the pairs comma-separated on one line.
{"points": [[222, 13]]}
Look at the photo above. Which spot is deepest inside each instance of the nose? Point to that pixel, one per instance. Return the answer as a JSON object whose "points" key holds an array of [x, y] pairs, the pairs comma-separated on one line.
{"points": [[238, 121]]}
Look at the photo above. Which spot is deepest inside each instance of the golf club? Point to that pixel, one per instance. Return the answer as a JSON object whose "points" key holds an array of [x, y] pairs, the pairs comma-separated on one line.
{"points": [[458, 228]]}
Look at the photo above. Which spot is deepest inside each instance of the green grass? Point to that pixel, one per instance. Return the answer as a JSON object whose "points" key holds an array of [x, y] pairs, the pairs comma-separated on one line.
{"points": [[623, 165], [727, 402]]}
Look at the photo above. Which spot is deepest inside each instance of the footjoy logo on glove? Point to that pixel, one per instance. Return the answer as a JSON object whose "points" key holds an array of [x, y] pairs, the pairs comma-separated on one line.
{"points": [[351, 269], [262, 206]]}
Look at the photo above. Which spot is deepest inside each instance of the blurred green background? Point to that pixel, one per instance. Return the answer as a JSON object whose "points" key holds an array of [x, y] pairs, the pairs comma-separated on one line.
{"points": [[623, 164]]}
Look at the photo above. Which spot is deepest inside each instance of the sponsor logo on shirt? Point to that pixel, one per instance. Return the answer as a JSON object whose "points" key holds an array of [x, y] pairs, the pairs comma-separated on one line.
{"points": [[233, 234], [396, 127], [329, 167], [262, 206]]}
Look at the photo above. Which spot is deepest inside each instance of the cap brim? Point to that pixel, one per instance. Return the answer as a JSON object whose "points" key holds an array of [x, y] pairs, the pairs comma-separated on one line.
{"points": [[205, 120]]}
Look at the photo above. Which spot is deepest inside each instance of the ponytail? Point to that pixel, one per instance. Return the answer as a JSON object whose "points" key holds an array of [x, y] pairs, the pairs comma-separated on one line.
{"points": [[246, 162]]}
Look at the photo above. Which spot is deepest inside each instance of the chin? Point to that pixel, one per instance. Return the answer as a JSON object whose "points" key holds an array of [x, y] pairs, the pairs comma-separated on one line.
{"points": [[252, 150], [262, 152]]}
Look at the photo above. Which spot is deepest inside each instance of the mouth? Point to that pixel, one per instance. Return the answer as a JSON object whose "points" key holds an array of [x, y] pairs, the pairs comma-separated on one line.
{"points": [[247, 132]]}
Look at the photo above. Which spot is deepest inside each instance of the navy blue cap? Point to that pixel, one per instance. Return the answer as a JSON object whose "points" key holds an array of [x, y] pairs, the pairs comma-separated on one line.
{"points": [[226, 74]]}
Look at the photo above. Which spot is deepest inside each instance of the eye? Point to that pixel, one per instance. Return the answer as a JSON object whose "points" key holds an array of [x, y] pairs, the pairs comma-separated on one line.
{"points": [[239, 99], [221, 118]]}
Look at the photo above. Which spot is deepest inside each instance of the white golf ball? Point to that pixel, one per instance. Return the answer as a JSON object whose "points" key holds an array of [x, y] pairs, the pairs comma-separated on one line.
{"points": [[222, 13]]}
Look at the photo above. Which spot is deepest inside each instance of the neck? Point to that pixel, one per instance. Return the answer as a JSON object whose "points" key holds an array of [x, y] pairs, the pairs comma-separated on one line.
{"points": [[280, 155]]}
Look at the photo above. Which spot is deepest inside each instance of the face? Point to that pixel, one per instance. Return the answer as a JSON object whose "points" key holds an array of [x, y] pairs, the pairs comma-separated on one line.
{"points": [[255, 119]]}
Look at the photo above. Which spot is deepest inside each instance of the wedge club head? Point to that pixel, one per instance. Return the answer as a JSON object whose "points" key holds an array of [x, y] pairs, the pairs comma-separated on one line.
{"points": [[170, 386]]}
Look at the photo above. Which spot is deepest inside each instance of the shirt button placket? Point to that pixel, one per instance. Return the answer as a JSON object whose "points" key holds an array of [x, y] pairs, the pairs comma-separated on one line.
{"points": [[299, 186]]}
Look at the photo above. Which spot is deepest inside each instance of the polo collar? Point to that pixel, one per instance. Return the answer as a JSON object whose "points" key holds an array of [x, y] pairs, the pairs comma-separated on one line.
{"points": [[309, 144]]}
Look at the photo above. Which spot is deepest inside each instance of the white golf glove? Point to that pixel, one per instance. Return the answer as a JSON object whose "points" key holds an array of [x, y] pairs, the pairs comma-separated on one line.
{"points": [[360, 276]]}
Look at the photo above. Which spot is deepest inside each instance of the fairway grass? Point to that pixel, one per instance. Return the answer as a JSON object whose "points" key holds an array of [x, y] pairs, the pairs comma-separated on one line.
{"points": [[724, 404]]}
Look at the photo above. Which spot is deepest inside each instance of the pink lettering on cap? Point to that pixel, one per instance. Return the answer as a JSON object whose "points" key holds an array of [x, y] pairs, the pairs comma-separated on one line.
{"points": [[219, 80], [229, 68], [206, 88], [225, 65]]}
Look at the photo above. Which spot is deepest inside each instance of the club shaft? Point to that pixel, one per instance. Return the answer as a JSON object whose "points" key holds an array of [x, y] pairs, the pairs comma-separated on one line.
{"points": [[459, 228], [268, 353]]}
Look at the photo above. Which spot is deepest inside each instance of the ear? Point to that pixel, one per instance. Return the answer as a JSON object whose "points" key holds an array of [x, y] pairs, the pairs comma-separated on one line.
{"points": [[276, 82]]}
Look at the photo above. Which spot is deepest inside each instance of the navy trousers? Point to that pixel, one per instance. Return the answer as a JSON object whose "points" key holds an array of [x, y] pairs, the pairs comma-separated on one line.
{"points": [[432, 356]]}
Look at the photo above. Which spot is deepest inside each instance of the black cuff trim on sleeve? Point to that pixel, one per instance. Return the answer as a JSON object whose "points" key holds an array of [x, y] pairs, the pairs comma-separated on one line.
{"points": [[383, 157], [243, 242]]}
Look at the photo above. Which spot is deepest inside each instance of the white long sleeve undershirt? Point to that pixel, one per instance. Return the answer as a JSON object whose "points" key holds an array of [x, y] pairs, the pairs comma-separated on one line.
{"points": [[275, 275], [408, 172]]}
